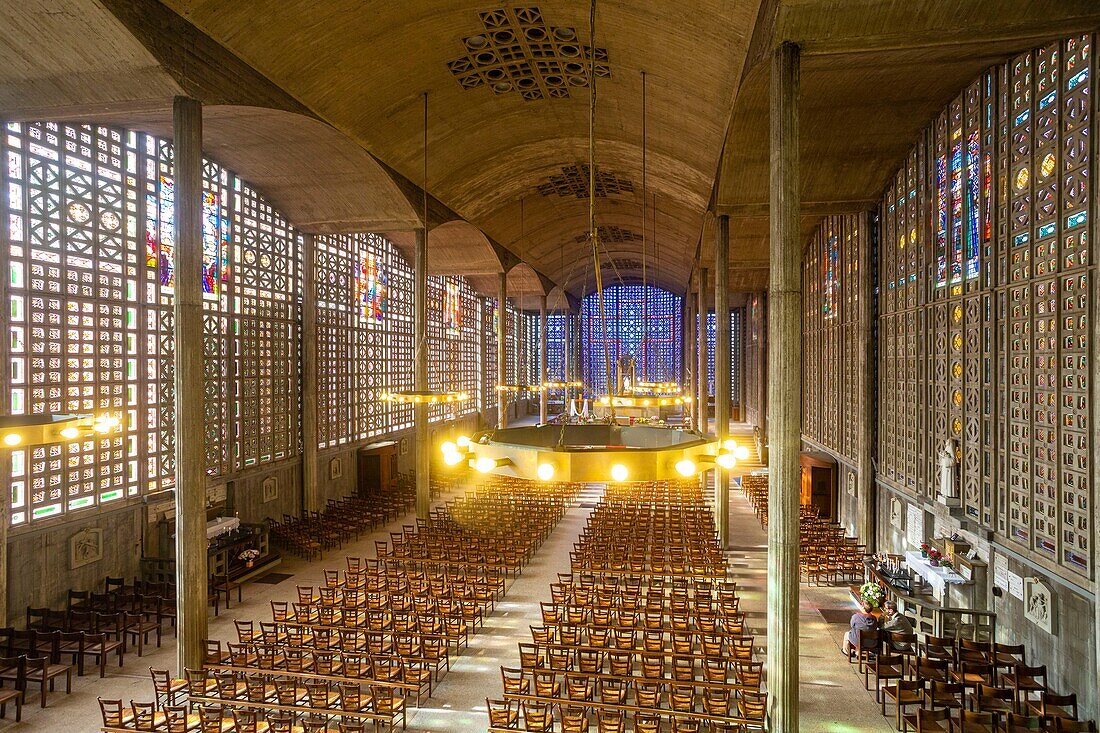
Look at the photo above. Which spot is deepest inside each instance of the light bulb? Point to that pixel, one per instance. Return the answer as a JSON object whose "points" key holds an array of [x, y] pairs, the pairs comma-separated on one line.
{"points": [[726, 460], [70, 433], [448, 447], [453, 458], [485, 464], [113, 422], [545, 471], [619, 472], [730, 444], [13, 439], [463, 441], [686, 467], [742, 453]]}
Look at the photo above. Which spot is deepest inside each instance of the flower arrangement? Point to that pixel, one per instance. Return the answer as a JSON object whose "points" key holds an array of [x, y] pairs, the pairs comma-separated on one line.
{"points": [[249, 556], [872, 593], [934, 557], [945, 563], [924, 548]]}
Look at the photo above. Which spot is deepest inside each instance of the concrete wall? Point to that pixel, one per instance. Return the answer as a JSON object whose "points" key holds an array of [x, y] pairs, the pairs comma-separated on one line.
{"points": [[848, 501], [1068, 652], [246, 495], [40, 572]]}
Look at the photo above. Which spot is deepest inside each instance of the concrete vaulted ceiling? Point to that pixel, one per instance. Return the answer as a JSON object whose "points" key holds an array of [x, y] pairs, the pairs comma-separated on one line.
{"points": [[319, 104]]}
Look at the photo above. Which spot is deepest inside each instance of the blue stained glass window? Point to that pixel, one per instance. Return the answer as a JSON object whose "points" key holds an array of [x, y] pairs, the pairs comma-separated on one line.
{"points": [[625, 330], [973, 202]]}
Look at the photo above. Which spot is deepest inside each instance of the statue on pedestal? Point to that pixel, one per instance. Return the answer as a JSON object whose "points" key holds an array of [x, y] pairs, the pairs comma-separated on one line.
{"points": [[946, 460]]}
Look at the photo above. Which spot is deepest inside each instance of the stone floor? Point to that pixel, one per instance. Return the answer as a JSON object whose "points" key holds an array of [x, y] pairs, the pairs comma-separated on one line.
{"points": [[832, 695]]}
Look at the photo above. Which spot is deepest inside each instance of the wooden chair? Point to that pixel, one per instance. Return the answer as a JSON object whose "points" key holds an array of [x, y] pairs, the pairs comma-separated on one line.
{"points": [[1014, 723], [147, 717], [40, 671], [1051, 705], [904, 693], [931, 721], [868, 644], [752, 706], [972, 722], [887, 667], [165, 687], [997, 700], [1024, 680], [15, 696], [503, 713], [138, 628], [1061, 725], [99, 647]]}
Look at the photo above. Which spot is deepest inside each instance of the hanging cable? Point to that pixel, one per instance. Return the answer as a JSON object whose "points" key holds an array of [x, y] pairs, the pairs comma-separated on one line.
{"points": [[645, 289], [593, 230]]}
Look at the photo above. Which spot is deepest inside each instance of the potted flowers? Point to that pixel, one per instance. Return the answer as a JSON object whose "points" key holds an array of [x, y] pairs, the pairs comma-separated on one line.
{"points": [[873, 594], [249, 556], [934, 557], [924, 548]]}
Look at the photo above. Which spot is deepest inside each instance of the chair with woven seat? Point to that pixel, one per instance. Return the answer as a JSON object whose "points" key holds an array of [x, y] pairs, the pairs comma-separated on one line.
{"points": [[752, 706], [166, 687], [538, 717], [503, 713]]}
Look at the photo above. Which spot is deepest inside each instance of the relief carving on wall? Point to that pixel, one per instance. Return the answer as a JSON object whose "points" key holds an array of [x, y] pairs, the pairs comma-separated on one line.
{"points": [[85, 547]]}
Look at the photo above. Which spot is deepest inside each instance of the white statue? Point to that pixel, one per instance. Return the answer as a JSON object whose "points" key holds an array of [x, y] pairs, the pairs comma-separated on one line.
{"points": [[946, 459]]}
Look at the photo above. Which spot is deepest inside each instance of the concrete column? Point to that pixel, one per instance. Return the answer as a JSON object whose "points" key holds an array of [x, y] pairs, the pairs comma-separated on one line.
{"points": [[311, 495], [544, 395], [865, 361], [567, 354], [722, 367], [191, 578], [688, 383], [784, 393], [702, 398], [420, 375], [502, 353]]}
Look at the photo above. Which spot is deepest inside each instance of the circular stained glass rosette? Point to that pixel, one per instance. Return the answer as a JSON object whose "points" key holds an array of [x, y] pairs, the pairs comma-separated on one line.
{"points": [[1022, 177]]}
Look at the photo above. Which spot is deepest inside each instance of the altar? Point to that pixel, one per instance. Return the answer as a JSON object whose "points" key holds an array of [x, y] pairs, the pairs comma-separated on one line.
{"points": [[948, 587]]}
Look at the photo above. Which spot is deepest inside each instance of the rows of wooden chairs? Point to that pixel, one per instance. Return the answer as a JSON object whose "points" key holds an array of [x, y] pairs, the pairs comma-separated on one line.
{"points": [[378, 634], [257, 707], [342, 521], [961, 684], [645, 633], [827, 554], [492, 531]]}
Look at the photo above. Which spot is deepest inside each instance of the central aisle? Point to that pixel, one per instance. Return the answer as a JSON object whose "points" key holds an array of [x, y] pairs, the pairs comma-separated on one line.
{"points": [[458, 703]]}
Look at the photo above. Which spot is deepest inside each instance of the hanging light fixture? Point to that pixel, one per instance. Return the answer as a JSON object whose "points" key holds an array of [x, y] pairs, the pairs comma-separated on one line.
{"points": [[425, 396], [18, 431]]}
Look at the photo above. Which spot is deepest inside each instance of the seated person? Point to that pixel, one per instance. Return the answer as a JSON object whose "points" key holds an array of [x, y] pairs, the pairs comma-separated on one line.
{"points": [[862, 620], [894, 621]]}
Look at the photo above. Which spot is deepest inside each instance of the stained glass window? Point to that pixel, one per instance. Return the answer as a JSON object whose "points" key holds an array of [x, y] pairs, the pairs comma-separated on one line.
{"points": [[454, 343], [1002, 354], [625, 329]]}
